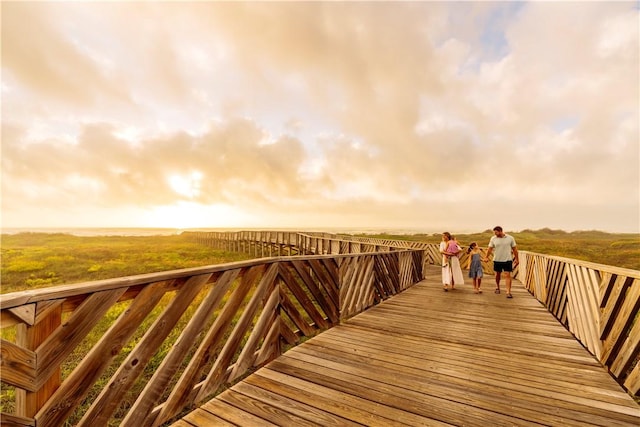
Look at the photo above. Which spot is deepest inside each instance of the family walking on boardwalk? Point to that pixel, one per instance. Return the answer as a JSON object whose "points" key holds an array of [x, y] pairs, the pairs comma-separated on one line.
{"points": [[505, 258]]}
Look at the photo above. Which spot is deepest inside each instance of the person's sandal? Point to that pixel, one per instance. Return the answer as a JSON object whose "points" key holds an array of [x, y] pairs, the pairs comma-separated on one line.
{"points": [[509, 296], [497, 291]]}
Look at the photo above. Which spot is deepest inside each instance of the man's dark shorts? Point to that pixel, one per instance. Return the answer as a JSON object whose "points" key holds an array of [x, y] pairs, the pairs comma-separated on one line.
{"points": [[500, 266]]}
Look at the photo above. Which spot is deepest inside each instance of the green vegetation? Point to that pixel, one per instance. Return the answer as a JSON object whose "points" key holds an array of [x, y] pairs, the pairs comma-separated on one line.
{"points": [[620, 250], [37, 260]]}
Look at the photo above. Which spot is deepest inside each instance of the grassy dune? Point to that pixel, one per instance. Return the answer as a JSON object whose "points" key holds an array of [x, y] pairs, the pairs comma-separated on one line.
{"points": [[37, 260]]}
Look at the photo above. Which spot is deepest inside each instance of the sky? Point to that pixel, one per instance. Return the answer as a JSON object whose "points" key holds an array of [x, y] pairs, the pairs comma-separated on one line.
{"points": [[424, 116]]}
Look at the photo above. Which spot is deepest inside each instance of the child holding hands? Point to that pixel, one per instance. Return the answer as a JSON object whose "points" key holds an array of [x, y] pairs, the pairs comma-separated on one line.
{"points": [[475, 266]]}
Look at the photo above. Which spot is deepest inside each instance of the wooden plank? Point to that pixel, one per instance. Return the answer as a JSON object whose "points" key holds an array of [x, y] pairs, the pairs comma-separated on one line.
{"points": [[420, 351], [11, 420], [431, 358], [263, 410], [426, 396], [383, 273], [362, 287], [271, 347], [202, 418], [259, 331], [292, 284], [292, 406], [627, 310], [181, 395], [331, 279], [230, 414], [632, 383], [18, 365], [630, 347], [26, 313], [327, 304], [144, 404], [285, 332], [111, 395], [218, 373], [66, 338], [344, 405], [497, 362], [618, 289], [32, 337], [46, 308], [587, 306], [79, 383], [296, 317]]}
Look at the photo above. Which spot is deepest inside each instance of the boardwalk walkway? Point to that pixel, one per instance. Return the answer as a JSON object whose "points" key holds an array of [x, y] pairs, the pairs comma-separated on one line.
{"points": [[428, 357]]}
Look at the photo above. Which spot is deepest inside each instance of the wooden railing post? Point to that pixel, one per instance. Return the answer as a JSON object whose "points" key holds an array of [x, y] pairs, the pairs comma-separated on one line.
{"points": [[30, 337]]}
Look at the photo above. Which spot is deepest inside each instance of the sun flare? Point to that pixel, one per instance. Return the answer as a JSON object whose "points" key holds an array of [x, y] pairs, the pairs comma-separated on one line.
{"points": [[184, 215], [188, 186]]}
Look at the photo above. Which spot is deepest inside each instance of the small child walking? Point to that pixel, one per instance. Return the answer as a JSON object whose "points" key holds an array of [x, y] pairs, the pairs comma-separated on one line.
{"points": [[475, 266]]}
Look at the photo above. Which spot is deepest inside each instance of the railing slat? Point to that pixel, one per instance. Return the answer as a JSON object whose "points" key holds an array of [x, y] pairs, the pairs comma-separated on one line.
{"points": [[327, 304], [259, 331], [181, 395], [111, 395], [218, 373], [632, 383], [630, 349], [303, 299], [139, 412], [619, 332], [75, 388], [18, 366]]}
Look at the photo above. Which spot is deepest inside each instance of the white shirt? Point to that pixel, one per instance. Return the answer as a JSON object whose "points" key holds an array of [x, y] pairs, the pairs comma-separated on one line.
{"points": [[502, 247]]}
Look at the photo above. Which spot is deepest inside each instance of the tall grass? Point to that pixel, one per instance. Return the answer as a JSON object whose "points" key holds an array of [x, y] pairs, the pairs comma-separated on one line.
{"points": [[37, 260]]}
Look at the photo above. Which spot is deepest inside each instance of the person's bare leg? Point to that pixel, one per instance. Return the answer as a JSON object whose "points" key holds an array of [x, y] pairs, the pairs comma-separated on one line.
{"points": [[498, 283], [508, 282]]}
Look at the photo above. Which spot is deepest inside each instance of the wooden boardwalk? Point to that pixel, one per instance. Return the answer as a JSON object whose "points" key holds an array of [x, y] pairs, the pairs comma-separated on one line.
{"points": [[428, 357]]}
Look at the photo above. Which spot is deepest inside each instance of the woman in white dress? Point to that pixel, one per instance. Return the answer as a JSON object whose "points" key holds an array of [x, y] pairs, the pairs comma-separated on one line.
{"points": [[451, 271]]}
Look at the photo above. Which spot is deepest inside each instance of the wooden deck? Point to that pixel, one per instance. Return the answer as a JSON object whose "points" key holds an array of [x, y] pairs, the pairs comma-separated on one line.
{"points": [[428, 357]]}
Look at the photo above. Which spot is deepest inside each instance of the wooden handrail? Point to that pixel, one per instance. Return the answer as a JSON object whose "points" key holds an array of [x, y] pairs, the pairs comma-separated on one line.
{"points": [[205, 327], [597, 303], [195, 329]]}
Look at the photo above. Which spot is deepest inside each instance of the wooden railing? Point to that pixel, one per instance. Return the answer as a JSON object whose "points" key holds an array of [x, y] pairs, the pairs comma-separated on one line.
{"points": [[166, 341], [278, 243], [598, 304]]}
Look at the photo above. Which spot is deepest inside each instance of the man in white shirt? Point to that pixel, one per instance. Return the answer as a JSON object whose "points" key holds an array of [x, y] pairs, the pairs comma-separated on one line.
{"points": [[505, 257]]}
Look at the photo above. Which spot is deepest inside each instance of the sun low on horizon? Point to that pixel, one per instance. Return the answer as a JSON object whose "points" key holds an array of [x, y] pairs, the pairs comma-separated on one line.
{"points": [[414, 115]]}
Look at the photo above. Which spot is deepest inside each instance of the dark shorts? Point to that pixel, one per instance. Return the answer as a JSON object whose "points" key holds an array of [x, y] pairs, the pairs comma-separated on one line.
{"points": [[500, 266]]}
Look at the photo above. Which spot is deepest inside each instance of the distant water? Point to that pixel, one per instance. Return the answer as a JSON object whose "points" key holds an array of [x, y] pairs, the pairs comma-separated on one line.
{"points": [[97, 231], [173, 231]]}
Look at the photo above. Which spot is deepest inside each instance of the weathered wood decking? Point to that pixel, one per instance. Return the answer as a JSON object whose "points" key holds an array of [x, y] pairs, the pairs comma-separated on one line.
{"points": [[428, 357]]}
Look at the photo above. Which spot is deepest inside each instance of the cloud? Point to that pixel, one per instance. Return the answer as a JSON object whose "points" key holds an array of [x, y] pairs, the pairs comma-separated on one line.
{"points": [[323, 112]]}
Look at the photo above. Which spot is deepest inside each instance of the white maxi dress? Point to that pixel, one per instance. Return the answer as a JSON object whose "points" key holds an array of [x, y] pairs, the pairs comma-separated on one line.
{"points": [[451, 268]]}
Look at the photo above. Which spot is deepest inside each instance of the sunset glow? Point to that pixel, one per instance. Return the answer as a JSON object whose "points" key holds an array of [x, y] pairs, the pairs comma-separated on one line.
{"points": [[412, 115]]}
